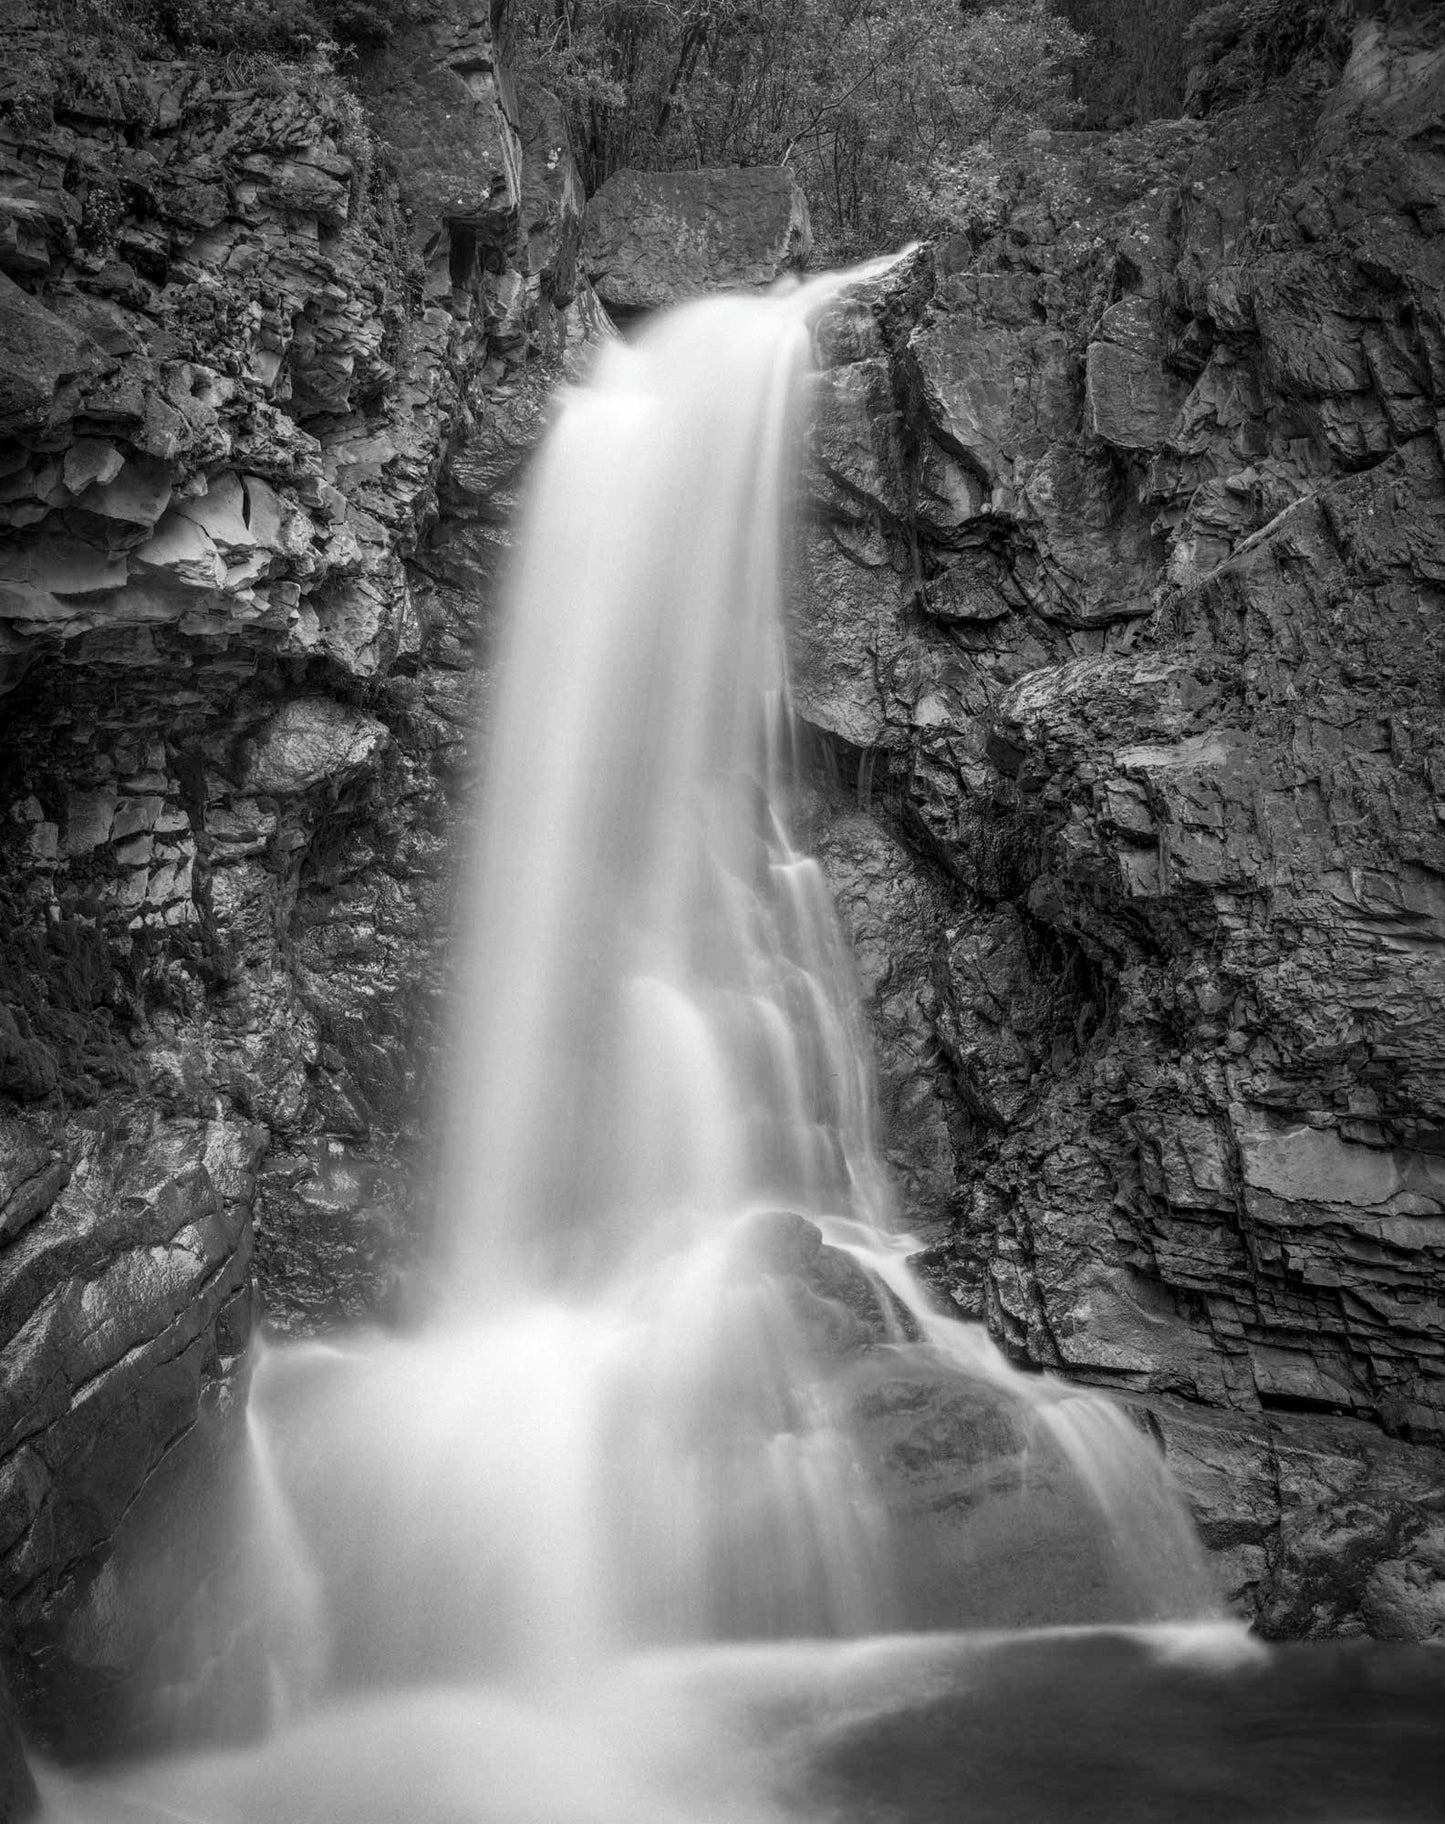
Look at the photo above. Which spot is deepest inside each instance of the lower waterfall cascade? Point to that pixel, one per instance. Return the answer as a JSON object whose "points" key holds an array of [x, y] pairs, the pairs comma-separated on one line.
{"points": [[636, 1509]]}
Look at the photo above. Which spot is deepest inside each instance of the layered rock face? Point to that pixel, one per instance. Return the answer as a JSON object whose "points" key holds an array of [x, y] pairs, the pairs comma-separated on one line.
{"points": [[654, 238], [255, 366], [1121, 616]]}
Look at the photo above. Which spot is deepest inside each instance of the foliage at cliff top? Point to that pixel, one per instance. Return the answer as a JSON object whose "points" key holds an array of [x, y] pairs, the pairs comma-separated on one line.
{"points": [[1149, 59], [1237, 47], [871, 102], [1135, 65], [277, 28]]}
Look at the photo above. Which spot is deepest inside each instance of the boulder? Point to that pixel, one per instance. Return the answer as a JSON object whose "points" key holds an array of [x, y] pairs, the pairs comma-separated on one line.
{"points": [[836, 1306], [38, 352], [1323, 1524], [653, 238], [1132, 399], [308, 741]]}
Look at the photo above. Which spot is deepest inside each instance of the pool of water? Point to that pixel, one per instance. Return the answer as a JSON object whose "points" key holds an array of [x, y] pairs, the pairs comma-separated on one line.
{"points": [[1169, 1725]]}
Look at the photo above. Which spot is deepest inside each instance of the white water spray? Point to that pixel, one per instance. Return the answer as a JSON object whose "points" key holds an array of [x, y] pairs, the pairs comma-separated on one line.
{"points": [[646, 1411], [656, 1031]]}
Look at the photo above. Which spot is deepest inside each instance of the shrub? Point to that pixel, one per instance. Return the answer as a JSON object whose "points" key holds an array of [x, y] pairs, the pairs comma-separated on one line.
{"points": [[867, 100], [276, 28], [1136, 66], [1235, 49]]}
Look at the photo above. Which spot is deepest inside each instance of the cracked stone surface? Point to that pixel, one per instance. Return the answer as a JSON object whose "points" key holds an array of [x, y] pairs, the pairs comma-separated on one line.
{"points": [[256, 375], [1118, 611], [1119, 616]]}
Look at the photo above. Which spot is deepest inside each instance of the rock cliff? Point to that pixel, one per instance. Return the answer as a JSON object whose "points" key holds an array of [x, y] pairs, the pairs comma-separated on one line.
{"points": [[273, 344], [1120, 615], [1118, 618]]}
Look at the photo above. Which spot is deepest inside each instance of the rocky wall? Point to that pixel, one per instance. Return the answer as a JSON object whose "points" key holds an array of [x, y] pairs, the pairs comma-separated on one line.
{"points": [[274, 340], [1118, 619], [1120, 612]]}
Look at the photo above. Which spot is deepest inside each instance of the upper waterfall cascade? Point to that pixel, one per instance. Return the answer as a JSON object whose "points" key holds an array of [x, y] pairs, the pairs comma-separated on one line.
{"points": [[675, 1341]]}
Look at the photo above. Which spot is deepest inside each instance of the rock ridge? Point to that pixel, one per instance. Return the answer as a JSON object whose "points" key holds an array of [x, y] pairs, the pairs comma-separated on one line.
{"points": [[268, 335], [1117, 617], [1119, 620]]}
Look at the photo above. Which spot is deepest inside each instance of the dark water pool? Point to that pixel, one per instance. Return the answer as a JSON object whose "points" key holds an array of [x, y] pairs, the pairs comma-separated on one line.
{"points": [[1128, 1729], [1186, 1725]]}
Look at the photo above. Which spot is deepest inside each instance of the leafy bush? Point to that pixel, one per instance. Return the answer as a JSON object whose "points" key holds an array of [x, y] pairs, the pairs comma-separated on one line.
{"points": [[1238, 47], [1136, 65], [277, 28], [868, 100]]}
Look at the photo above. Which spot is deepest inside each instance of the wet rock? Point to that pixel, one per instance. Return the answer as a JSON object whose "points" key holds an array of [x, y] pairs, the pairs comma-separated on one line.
{"points": [[855, 435], [996, 376], [992, 1526], [164, 1645], [32, 1176], [837, 1303], [1321, 1525], [117, 1305], [441, 98], [1144, 676], [307, 741], [853, 597], [655, 237], [890, 907], [39, 354], [248, 351], [1131, 398], [552, 200], [336, 1234], [995, 1018], [18, 1797]]}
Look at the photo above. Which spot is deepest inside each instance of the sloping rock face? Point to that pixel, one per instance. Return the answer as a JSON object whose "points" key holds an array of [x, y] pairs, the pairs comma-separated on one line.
{"points": [[657, 237], [1122, 586], [18, 1797], [1120, 612], [259, 373]]}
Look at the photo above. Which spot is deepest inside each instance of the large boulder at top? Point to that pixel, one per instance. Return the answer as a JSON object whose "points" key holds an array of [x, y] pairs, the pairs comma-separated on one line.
{"points": [[655, 237]]}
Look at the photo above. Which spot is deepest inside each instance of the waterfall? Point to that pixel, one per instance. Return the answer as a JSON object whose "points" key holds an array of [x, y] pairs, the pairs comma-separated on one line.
{"points": [[665, 1392], [657, 1032]]}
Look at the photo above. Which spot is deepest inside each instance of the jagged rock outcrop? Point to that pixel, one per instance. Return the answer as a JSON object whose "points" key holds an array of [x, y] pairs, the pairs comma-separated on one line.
{"points": [[1121, 603], [1122, 587], [654, 238], [258, 336]]}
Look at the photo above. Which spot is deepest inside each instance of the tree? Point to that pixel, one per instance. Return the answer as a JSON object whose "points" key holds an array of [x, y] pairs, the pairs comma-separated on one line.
{"points": [[870, 101]]}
